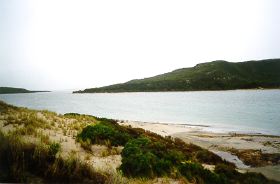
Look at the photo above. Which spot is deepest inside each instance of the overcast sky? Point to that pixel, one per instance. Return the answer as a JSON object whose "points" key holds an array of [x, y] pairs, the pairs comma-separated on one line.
{"points": [[65, 44]]}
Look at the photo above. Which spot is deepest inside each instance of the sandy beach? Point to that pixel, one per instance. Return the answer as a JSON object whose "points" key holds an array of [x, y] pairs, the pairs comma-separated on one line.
{"points": [[232, 147]]}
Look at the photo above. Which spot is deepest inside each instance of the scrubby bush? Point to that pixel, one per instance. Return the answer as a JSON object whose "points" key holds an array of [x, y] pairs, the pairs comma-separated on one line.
{"points": [[103, 134], [226, 170], [233, 176], [255, 178], [143, 157], [195, 172], [205, 156]]}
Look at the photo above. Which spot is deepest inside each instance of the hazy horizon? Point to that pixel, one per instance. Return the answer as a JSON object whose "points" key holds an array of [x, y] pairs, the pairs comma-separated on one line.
{"points": [[69, 44]]}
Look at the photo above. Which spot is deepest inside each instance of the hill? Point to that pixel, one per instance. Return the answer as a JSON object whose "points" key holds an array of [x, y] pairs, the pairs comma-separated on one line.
{"points": [[215, 75], [10, 90]]}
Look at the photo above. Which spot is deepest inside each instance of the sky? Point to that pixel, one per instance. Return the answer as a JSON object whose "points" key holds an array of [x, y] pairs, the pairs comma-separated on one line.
{"points": [[77, 44]]}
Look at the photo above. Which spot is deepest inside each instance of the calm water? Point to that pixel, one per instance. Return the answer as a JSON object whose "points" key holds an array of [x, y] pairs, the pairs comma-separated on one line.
{"points": [[255, 111]]}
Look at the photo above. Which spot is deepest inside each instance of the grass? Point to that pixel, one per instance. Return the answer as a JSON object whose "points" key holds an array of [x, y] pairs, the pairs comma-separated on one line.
{"points": [[27, 152], [19, 159], [86, 144]]}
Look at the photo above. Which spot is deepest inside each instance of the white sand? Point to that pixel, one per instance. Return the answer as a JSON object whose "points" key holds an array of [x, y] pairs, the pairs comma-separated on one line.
{"points": [[163, 129]]}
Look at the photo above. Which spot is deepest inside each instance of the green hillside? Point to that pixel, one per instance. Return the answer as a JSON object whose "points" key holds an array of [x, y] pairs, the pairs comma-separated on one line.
{"points": [[10, 90], [215, 75]]}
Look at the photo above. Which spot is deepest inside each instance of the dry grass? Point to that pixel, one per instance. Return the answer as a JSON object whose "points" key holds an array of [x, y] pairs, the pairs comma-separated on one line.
{"points": [[22, 162]]}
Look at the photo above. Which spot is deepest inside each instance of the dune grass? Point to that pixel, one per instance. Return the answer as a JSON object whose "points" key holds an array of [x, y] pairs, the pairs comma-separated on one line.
{"points": [[22, 162], [27, 153]]}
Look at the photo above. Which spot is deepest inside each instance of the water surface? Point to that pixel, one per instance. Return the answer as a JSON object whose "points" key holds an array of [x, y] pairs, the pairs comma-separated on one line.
{"points": [[253, 111]]}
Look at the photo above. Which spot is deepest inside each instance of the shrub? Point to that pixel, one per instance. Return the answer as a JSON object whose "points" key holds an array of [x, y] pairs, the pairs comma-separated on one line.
{"points": [[195, 172], [208, 157], [226, 170], [142, 157], [254, 178], [103, 134]]}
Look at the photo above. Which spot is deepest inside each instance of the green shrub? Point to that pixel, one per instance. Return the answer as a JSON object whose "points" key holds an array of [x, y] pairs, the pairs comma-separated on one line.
{"points": [[195, 172], [142, 157], [235, 177], [254, 178], [209, 157], [103, 134], [226, 170]]}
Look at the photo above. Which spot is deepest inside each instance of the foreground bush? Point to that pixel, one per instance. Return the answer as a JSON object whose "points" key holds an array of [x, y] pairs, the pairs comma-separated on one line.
{"points": [[233, 176], [196, 173], [142, 157]]}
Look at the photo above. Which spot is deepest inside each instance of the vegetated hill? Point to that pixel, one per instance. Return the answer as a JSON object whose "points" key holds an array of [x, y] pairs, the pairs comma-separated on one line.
{"points": [[215, 75], [10, 90]]}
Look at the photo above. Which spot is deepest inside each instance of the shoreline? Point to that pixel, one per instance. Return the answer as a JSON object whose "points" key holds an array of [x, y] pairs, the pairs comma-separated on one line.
{"points": [[240, 149], [249, 89], [189, 127]]}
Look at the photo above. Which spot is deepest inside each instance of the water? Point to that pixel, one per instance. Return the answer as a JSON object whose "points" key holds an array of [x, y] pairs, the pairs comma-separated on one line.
{"points": [[245, 111], [231, 158]]}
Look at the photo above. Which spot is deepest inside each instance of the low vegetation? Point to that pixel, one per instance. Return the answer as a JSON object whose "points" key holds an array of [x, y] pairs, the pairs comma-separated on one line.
{"points": [[35, 148], [103, 134], [148, 155], [25, 162], [27, 153], [145, 158]]}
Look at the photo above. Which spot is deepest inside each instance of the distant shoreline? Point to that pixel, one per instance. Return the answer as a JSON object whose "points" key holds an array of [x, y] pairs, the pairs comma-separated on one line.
{"points": [[12, 90], [250, 89], [26, 92]]}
